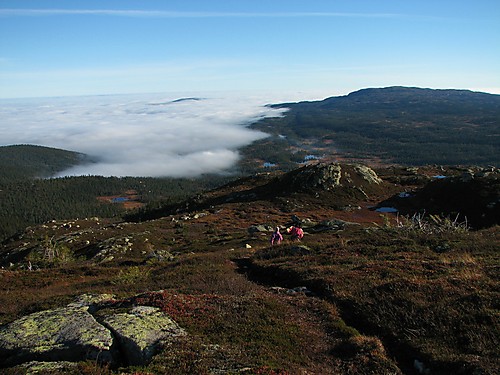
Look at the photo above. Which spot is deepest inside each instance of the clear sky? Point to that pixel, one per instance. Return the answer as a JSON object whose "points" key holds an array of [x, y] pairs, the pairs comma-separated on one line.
{"points": [[72, 47]]}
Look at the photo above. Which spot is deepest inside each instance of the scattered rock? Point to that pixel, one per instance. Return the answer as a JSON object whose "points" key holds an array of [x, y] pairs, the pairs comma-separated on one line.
{"points": [[300, 290], [303, 223], [333, 224], [259, 228], [199, 215], [160, 255], [292, 291]]}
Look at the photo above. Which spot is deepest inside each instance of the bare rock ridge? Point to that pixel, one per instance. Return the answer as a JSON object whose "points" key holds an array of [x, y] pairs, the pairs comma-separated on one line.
{"points": [[72, 333], [349, 181], [345, 183], [331, 176]]}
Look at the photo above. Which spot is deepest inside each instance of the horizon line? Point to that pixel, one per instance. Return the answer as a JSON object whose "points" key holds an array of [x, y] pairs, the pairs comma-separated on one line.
{"points": [[344, 92]]}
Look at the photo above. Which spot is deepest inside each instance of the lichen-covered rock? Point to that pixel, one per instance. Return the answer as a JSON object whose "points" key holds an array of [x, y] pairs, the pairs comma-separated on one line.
{"points": [[72, 334], [140, 332], [91, 302], [63, 334], [327, 177], [367, 173]]}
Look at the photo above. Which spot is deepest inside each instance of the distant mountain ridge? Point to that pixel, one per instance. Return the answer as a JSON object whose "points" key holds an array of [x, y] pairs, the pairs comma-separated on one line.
{"points": [[402, 125], [414, 95], [413, 100]]}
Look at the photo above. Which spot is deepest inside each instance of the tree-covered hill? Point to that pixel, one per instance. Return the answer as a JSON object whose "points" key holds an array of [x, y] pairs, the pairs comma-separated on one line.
{"points": [[28, 196], [30, 161], [411, 126]]}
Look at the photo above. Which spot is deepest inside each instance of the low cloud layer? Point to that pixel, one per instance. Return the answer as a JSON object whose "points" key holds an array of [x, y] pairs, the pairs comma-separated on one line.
{"points": [[140, 135]]}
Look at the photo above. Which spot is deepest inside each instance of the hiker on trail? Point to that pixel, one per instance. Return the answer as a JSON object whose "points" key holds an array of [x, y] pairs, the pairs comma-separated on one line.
{"points": [[296, 232], [276, 237]]}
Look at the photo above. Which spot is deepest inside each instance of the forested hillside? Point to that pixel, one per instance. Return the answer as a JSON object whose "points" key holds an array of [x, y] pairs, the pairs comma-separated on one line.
{"points": [[410, 126], [27, 202], [30, 161]]}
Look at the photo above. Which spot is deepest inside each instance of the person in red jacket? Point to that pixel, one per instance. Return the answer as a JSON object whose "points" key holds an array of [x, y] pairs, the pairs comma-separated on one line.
{"points": [[296, 232]]}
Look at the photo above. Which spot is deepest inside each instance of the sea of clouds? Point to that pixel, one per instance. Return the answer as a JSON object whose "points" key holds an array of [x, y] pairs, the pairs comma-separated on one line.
{"points": [[140, 135]]}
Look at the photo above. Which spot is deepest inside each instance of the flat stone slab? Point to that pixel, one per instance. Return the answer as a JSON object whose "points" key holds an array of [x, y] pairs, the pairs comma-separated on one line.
{"points": [[140, 332], [63, 334]]}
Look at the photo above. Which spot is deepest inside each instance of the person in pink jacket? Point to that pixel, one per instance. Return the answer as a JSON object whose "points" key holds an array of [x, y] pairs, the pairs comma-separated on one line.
{"points": [[276, 237]]}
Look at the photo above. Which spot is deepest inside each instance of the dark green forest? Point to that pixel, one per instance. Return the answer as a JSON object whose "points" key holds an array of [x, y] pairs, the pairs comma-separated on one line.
{"points": [[409, 126], [26, 200], [30, 161]]}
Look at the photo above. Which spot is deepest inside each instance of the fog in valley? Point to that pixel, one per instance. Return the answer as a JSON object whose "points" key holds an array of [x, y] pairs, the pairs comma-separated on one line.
{"points": [[175, 135]]}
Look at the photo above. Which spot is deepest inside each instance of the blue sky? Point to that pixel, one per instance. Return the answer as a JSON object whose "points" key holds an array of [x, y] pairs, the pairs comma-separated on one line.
{"points": [[58, 48]]}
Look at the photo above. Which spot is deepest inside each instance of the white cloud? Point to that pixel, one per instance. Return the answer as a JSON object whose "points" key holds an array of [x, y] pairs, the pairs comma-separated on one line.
{"points": [[138, 135], [173, 14]]}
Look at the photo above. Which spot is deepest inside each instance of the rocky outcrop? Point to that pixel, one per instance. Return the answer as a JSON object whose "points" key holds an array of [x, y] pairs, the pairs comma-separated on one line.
{"points": [[140, 332], [367, 174], [324, 176], [331, 176], [90, 328], [348, 180], [64, 334]]}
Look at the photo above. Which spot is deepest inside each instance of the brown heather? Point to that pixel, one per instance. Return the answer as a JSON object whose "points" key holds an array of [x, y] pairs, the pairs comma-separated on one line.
{"points": [[370, 298]]}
